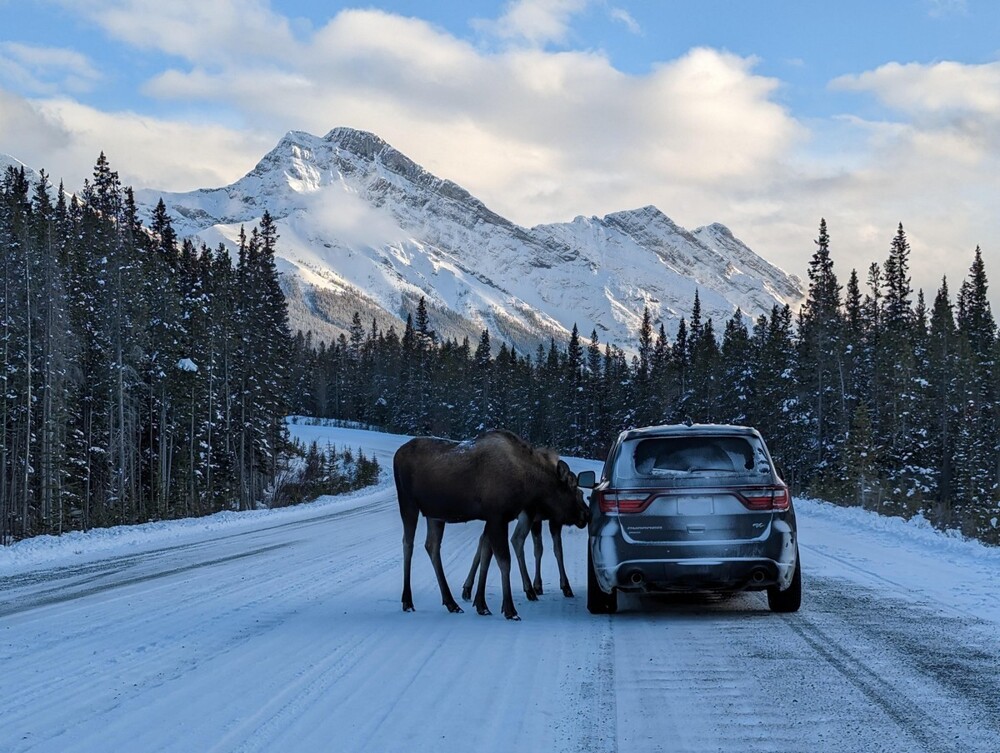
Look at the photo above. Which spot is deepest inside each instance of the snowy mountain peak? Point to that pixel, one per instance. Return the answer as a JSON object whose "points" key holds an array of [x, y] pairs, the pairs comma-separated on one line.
{"points": [[361, 143], [646, 220], [648, 213], [7, 160], [716, 228], [364, 227]]}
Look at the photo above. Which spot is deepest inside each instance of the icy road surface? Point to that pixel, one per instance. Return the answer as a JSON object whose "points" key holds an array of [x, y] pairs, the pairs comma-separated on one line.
{"points": [[282, 631]]}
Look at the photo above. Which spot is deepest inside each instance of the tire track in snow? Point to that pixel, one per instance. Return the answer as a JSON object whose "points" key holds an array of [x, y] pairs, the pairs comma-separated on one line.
{"points": [[844, 674], [61, 598], [269, 724], [102, 572], [308, 712], [458, 682], [681, 680], [912, 720], [157, 601], [938, 677], [593, 727], [145, 659], [299, 686], [897, 587]]}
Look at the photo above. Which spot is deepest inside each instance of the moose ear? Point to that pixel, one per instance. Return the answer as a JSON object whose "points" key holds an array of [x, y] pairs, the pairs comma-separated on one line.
{"points": [[564, 473]]}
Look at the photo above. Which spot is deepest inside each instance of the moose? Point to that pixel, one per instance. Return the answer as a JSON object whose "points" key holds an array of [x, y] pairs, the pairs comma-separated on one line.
{"points": [[492, 478], [528, 521]]}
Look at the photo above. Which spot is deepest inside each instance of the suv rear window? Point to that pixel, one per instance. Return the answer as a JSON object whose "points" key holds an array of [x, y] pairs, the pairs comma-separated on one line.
{"points": [[679, 457]]}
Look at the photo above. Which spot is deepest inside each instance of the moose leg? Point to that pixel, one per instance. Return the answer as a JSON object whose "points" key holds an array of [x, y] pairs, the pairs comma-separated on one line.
{"points": [[435, 532], [556, 530], [517, 539], [536, 539], [409, 532], [467, 586], [485, 557], [496, 530]]}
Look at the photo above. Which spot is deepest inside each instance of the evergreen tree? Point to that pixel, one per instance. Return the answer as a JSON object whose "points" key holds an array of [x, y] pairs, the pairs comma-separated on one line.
{"points": [[682, 365], [896, 271], [703, 380], [978, 440], [573, 410], [484, 407], [820, 360], [737, 378], [943, 375]]}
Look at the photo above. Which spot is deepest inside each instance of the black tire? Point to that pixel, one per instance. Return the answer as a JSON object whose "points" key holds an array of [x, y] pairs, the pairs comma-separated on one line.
{"points": [[598, 602], [790, 599]]}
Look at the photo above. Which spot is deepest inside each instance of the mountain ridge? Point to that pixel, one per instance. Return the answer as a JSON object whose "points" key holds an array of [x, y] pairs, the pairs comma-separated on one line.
{"points": [[364, 227]]}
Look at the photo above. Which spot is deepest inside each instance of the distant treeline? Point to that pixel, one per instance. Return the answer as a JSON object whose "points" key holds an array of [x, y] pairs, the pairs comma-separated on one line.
{"points": [[867, 398], [142, 378], [325, 472]]}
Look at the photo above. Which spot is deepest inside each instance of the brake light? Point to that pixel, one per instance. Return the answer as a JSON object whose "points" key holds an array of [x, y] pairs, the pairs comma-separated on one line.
{"points": [[628, 503], [766, 498], [607, 502]]}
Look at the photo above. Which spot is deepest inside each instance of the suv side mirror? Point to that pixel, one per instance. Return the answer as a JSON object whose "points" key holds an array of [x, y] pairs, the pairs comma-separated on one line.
{"points": [[586, 479]]}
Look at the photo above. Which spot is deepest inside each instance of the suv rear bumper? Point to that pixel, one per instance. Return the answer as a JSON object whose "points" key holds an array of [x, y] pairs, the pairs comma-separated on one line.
{"points": [[693, 566]]}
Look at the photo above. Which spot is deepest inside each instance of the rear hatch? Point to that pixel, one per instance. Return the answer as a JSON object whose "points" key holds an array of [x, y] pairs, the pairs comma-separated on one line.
{"points": [[679, 489]]}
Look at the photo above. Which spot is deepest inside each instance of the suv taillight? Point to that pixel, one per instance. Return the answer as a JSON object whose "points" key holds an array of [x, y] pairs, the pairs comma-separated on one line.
{"points": [[628, 503], [765, 498]]}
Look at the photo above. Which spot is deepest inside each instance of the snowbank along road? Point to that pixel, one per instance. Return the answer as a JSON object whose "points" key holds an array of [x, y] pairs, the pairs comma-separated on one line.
{"points": [[282, 630]]}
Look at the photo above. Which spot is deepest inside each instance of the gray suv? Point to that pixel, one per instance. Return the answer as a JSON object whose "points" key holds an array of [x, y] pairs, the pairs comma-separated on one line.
{"points": [[685, 508]]}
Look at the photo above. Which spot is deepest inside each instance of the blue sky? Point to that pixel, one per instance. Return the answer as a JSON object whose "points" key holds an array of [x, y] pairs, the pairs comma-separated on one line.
{"points": [[762, 115]]}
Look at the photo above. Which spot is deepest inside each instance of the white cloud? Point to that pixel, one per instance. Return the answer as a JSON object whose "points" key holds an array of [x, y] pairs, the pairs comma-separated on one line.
{"points": [[64, 138], [26, 133], [46, 69], [920, 90], [536, 21], [217, 32], [622, 16]]}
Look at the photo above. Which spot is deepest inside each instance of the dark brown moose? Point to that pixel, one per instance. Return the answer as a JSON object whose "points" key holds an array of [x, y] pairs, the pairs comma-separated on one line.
{"points": [[492, 478]]}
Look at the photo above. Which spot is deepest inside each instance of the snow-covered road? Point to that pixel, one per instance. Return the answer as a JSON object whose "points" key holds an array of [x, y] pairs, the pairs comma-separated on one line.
{"points": [[282, 630]]}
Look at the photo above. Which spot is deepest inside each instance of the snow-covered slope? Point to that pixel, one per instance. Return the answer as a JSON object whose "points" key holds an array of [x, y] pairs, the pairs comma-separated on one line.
{"points": [[7, 161], [364, 227]]}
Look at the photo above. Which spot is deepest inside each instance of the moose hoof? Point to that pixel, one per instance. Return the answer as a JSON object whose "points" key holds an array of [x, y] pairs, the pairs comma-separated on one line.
{"points": [[454, 608], [408, 607], [513, 616], [484, 611], [538, 588], [567, 592], [530, 595], [467, 594]]}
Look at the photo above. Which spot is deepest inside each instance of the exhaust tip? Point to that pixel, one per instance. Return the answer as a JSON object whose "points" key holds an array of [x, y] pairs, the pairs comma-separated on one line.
{"points": [[636, 577], [758, 575]]}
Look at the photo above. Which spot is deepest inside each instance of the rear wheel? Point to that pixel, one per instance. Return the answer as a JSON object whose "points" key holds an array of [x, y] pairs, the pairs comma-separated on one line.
{"points": [[598, 602], [790, 599]]}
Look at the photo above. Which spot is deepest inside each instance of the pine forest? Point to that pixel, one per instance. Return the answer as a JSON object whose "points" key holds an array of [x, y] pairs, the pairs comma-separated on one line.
{"points": [[145, 378]]}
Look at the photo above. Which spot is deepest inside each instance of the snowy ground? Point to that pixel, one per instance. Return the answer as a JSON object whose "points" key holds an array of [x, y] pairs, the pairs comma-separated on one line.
{"points": [[282, 630]]}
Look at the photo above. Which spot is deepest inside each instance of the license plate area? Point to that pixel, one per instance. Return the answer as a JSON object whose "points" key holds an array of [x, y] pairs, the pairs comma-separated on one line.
{"points": [[695, 505]]}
